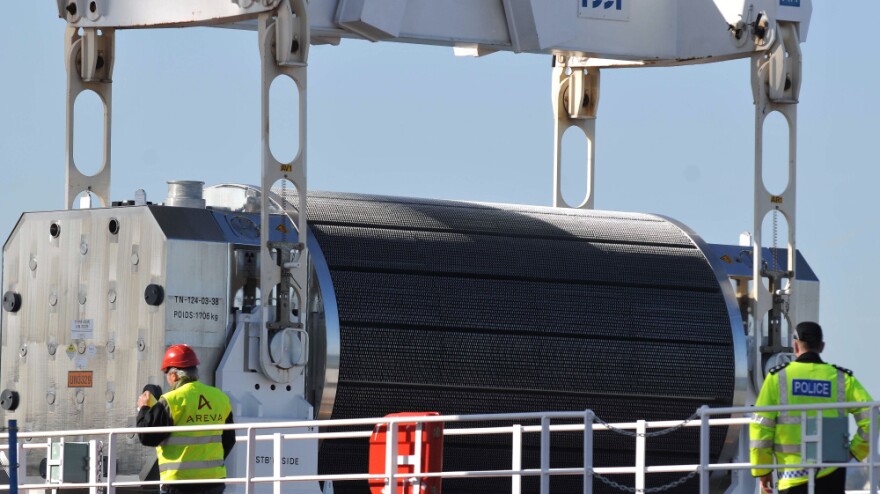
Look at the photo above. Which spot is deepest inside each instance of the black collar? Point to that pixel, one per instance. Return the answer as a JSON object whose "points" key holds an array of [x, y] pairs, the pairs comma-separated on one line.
{"points": [[810, 358]]}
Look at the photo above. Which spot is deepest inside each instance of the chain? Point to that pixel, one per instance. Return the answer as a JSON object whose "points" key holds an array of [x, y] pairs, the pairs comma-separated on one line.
{"points": [[661, 432], [99, 463], [284, 208], [775, 239], [662, 488]]}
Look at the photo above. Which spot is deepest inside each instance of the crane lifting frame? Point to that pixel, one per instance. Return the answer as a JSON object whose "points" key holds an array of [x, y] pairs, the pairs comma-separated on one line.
{"points": [[665, 33]]}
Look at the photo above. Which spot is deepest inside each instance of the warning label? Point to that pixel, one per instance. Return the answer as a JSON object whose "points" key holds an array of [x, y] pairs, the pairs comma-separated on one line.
{"points": [[79, 379], [82, 329]]}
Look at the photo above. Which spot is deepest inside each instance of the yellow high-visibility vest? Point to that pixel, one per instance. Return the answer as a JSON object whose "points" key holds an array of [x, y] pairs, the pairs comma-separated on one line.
{"points": [[779, 433], [199, 454]]}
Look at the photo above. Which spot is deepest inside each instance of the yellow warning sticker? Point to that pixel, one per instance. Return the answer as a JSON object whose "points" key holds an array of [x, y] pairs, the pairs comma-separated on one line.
{"points": [[281, 228], [727, 259], [776, 199]]}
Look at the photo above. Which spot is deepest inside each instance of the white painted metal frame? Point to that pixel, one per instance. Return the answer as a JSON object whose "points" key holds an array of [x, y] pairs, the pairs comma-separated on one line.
{"points": [[649, 32], [545, 428], [660, 32], [284, 45], [284, 48], [575, 103], [776, 80], [125, 14], [89, 61]]}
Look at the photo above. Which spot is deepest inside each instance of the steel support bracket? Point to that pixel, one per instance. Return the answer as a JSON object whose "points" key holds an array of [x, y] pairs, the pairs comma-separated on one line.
{"points": [[292, 33], [125, 14], [89, 61], [776, 81], [288, 256], [284, 267], [575, 103]]}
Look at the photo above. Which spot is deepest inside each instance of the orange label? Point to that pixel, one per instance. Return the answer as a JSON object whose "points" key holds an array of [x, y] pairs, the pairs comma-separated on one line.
{"points": [[79, 379]]}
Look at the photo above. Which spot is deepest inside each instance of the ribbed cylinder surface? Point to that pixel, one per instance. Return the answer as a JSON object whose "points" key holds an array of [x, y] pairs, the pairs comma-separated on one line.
{"points": [[467, 308]]}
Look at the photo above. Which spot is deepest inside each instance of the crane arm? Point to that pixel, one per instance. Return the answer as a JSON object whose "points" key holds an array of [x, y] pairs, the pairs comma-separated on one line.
{"points": [[641, 31]]}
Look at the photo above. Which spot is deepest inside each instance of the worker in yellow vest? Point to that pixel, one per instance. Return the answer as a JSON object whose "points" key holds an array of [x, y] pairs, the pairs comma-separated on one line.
{"points": [[806, 380], [187, 455]]}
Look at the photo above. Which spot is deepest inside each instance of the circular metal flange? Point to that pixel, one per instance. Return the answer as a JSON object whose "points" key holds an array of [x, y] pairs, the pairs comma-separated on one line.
{"points": [[286, 349], [738, 339]]}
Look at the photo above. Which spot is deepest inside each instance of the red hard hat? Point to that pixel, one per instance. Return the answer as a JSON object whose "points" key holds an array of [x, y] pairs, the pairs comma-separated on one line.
{"points": [[180, 356]]}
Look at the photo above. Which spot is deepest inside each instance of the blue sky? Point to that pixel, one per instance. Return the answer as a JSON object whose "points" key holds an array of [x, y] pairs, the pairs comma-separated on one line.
{"points": [[417, 121]]}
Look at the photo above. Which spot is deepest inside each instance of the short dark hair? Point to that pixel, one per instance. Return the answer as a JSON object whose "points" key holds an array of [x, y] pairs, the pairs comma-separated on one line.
{"points": [[810, 334]]}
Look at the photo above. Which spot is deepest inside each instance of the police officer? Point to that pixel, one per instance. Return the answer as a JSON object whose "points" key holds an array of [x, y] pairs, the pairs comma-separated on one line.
{"points": [[187, 455], [806, 380]]}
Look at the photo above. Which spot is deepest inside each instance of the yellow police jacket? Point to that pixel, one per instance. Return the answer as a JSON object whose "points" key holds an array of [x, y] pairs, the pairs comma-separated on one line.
{"points": [[197, 454], [807, 380]]}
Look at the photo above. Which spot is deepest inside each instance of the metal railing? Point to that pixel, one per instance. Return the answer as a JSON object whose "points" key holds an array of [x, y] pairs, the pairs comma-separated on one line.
{"points": [[872, 461], [587, 423]]}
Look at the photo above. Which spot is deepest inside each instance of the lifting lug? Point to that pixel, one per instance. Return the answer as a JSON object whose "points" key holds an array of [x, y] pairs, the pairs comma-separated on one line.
{"points": [[575, 102]]}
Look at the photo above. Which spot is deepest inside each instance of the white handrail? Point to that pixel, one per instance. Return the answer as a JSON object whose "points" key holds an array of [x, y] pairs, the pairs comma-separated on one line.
{"points": [[873, 457], [545, 428]]}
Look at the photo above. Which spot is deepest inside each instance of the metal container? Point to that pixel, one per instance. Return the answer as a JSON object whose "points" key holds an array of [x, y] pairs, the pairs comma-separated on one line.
{"points": [[467, 308], [415, 305], [88, 337]]}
